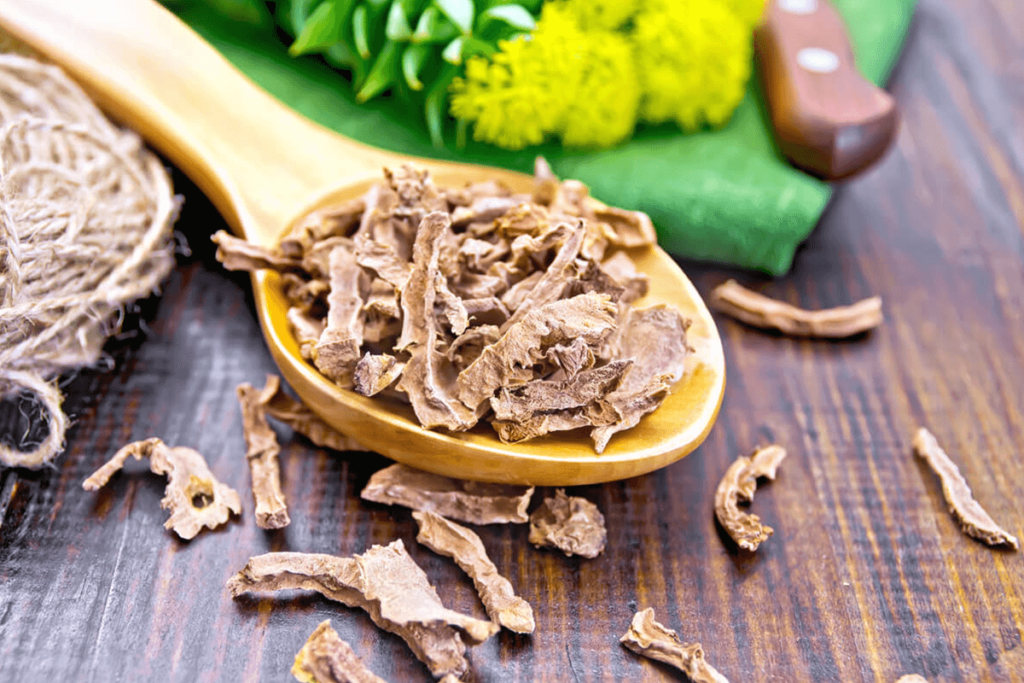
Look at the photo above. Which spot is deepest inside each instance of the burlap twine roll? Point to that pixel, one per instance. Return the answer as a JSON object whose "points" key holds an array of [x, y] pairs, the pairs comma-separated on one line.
{"points": [[86, 215]]}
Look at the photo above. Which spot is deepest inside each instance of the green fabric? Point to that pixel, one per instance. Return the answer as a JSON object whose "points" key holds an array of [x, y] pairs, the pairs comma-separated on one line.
{"points": [[725, 195]]}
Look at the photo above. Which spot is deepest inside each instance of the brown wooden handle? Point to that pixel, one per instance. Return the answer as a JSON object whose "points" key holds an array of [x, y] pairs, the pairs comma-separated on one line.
{"points": [[828, 119]]}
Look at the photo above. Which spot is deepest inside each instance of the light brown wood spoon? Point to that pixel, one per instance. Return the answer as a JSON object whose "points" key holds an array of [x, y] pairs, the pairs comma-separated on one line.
{"points": [[264, 166]]}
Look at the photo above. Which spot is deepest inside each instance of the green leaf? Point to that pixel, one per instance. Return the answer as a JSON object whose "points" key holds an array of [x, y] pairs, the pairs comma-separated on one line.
{"points": [[341, 55], [459, 11], [453, 52], [412, 63], [322, 29], [515, 16], [377, 5], [299, 13], [436, 98], [382, 74], [476, 46], [360, 32], [397, 27], [253, 12], [434, 27]]}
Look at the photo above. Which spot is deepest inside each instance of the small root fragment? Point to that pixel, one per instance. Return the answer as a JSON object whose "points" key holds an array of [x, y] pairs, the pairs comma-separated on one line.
{"points": [[385, 582], [465, 501], [189, 481], [453, 540], [326, 658], [973, 519], [262, 452], [648, 638], [758, 310], [573, 525], [739, 484]]}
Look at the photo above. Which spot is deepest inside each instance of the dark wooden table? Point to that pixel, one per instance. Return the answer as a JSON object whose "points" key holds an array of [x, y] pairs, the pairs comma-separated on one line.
{"points": [[867, 578]]}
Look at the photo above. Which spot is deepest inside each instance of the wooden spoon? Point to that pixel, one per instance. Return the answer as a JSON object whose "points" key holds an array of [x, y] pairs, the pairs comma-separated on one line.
{"points": [[264, 166]]}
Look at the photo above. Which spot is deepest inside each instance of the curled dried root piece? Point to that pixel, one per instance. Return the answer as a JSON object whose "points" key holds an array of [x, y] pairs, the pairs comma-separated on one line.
{"points": [[239, 254], [757, 310], [573, 525], [453, 540], [189, 481], [739, 484], [972, 518], [263, 449], [649, 638], [465, 501], [326, 658], [385, 582]]}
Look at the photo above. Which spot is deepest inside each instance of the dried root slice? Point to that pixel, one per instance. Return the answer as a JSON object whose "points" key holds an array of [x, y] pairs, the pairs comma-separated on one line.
{"points": [[465, 501], [263, 449], [453, 540], [573, 525], [972, 518], [239, 254], [739, 484], [326, 658], [757, 310], [304, 421], [337, 351], [374, 374], [189, 481], [386, 583], [648, 638]]}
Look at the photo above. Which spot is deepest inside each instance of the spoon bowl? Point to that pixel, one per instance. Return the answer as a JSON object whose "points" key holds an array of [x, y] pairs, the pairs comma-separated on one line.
{"points": [[265, 167]]}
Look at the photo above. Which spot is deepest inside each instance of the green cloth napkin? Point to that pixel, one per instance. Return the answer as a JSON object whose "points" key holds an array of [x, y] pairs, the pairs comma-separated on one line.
{"points": [[724, 195]]}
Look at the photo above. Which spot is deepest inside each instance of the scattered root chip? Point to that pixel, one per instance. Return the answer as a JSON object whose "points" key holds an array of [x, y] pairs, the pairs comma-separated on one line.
{"points": [[263, 449], [972, 518], [465, 501], [193, 495], [648, 638], [304, 421], [757, 310], [453, 540], [239, 254], [573, 525], [326, 658], [739, 484], [389, 585]]}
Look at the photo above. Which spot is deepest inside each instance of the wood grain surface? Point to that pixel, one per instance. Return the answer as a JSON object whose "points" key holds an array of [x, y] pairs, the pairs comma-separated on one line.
{"points": [[866, 578]]}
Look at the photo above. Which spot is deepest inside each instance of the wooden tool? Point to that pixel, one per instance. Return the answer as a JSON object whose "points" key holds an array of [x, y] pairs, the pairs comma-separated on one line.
{"points": [[829, 120], [265, 166]]}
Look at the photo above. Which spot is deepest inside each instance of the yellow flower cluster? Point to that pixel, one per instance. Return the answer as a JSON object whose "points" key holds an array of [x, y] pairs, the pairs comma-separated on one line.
{"points": [[591, 69]]}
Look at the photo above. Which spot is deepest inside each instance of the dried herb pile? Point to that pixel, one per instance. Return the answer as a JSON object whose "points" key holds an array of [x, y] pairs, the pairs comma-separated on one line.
{"points": [[479, 304]]}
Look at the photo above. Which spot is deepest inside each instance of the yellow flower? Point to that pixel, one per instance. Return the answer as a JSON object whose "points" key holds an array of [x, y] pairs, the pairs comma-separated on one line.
{"points": [[606, 15], [748, 11], [693, 61], [562, 81]]}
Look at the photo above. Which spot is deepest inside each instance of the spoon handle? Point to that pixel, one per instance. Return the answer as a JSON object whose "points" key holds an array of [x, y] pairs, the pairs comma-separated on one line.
{"points": [[258, 161], [828, 119]]}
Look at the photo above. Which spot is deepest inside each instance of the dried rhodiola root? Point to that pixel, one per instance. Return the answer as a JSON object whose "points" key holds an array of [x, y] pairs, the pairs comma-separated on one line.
{"points": [[757, 310], [193, 495], [573, 525], [466, 501], [326, 658], [387, 583], [739, 484], [972, 518], [447, 538], [480, 304], [649, 638], [263, 449]]}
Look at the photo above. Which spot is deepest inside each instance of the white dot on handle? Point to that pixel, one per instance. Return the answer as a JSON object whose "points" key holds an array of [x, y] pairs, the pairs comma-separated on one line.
{"points": [[798, 6], [818, 60]]}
